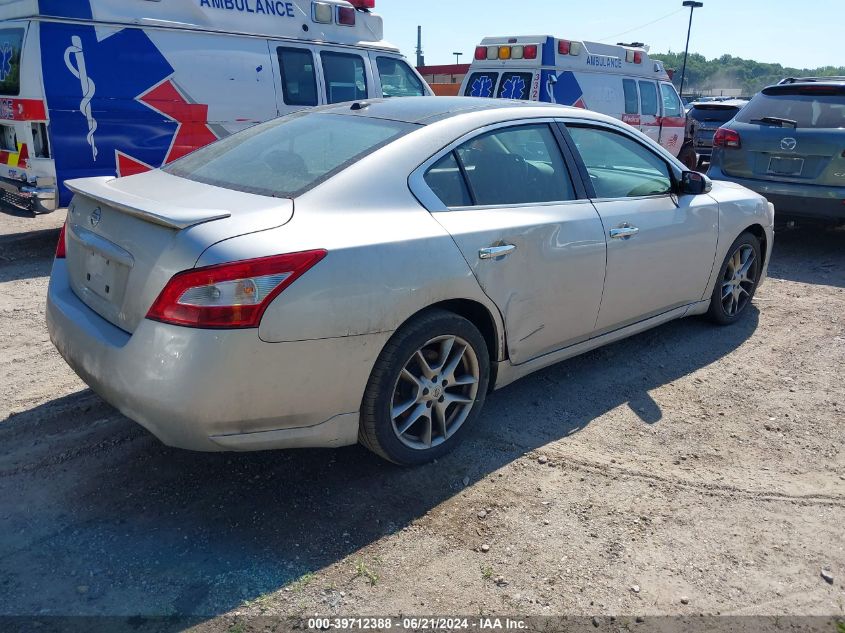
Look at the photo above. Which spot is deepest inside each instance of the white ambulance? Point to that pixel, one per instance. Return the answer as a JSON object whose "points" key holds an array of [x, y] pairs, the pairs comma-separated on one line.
{"points": [[620, 81], [105, 87]]}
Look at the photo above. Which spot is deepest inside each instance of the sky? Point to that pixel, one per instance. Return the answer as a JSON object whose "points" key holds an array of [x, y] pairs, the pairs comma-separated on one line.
{"points": [[796, 33]]}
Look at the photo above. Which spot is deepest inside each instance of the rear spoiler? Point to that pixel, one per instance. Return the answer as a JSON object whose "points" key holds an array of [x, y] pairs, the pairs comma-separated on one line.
{"points": [[164, 214]]}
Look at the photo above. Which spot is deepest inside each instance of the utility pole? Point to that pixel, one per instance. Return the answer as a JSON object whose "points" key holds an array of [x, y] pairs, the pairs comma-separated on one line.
{"points": [[692, 7]]}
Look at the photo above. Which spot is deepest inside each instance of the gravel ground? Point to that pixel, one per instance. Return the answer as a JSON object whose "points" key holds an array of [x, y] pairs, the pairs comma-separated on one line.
{"points": [[688, 470]]}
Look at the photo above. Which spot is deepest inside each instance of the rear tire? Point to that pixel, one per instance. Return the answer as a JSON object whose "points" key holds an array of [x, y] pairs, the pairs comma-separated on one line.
{"points": [[427, 387], [737, 281]]}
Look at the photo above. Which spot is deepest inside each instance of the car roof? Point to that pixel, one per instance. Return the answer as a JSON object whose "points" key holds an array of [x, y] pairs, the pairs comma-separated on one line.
{"points": [[427, 110]]}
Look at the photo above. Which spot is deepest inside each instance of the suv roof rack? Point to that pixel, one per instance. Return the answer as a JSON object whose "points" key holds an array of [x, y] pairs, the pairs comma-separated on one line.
{"points": [[801, 80]]}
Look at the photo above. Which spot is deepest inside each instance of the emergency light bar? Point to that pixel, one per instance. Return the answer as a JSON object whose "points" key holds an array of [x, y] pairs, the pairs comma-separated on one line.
{"points": [[325, 13], [527, 51], [565, 47]]}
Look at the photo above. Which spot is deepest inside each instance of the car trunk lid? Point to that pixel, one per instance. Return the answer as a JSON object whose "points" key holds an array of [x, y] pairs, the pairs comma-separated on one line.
{"points": [[127, 237]]}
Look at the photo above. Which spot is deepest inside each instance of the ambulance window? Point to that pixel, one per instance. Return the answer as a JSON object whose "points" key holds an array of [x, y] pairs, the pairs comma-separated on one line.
{"points": [[632, 100], [518, 165], [11, 41], [671, 102], [648, 98], [299, 80], [515, 86], [397, 79], [446, 181], [346, 77], [619, 166], [481, 85]]}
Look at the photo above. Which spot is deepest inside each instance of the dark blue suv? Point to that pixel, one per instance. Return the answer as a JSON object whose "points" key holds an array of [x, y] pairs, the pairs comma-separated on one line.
{"points": [[788, 144]]}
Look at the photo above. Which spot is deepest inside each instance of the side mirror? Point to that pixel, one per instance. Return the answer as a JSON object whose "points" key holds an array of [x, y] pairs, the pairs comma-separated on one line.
{"points": [[695, 184]]}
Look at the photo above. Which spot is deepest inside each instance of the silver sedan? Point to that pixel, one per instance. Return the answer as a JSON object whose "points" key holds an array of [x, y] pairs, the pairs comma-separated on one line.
{"points": [[370, 271]]}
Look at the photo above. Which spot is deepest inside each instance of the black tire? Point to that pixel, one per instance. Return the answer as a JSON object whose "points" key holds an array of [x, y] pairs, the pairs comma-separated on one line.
{"points": [[721, 311], [377, 431], [688, 157]]}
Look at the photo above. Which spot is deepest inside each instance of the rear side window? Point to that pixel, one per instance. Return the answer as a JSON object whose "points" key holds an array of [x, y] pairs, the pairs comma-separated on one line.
{"points": [[481, 85], [397, 78], [671, 101], [515, 86], [648, 98], [619, 167], [11, 42], [345, 75], [446, 181], [285, 157], [632, 105], [519, 165], [810, 110], [299, 80]]}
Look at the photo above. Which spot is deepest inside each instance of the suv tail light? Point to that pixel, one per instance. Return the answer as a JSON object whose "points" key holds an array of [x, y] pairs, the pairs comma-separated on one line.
{"points": [[727, 139], [233, 295], [61, 247]]}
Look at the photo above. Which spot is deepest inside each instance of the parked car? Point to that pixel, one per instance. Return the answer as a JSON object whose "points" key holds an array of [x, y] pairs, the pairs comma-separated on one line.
{"points": [[370, 270], [705, 117], [788, 144]]}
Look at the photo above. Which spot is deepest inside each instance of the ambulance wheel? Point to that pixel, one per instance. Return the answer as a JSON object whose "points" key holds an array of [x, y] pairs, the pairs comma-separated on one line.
{"points": [[688, 157]]}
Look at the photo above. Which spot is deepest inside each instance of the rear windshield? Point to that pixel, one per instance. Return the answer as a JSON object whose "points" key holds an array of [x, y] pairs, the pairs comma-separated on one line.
{"points": [[720, 114], [11, 41], [286, 157], [809, 110], [481, 84]]}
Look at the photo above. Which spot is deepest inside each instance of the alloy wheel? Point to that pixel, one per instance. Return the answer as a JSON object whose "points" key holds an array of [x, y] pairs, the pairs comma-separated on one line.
{"points": [[739, 280]]}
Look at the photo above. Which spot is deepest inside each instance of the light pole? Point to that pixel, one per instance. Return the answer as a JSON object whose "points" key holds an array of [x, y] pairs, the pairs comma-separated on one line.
{"points": [[692, 7], [457, 57]]}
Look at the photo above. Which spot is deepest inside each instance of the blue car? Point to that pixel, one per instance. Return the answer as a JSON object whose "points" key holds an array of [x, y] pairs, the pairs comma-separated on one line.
{"points": [[788, 144]]}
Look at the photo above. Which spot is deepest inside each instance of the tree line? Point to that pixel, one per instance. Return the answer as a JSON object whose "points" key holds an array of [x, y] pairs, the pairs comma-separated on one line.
{"points": [[728, 72]]}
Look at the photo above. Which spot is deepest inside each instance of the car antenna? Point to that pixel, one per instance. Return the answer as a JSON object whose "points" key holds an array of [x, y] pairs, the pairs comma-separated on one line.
{"points": [[360, 105]]}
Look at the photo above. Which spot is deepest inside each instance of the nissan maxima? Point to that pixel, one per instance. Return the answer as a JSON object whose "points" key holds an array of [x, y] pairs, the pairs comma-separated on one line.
{"points": [[368, 272]]}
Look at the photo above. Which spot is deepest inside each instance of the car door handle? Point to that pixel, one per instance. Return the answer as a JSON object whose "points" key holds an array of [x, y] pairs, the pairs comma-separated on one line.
{"points": [[624, 232], [495, 252]]}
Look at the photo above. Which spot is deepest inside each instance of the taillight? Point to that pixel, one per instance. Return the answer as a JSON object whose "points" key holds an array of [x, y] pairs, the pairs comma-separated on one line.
{"points": [[530, 51], [233, 295], [727, 139], [61, 247], [480, 53]]}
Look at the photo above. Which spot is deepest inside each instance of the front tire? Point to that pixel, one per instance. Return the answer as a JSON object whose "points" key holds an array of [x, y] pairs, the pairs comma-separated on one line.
{"points": [[427, 387], [737, 280]]}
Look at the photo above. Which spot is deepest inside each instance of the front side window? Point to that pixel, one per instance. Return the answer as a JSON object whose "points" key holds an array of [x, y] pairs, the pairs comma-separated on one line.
{"points": [[632, 105], [519, 165], [346, 77], [481, 85], [11, 43], [285, 157], [299, 80], [515, 86], [397, 79], [620, 167], [671, 101], [648, 98]]}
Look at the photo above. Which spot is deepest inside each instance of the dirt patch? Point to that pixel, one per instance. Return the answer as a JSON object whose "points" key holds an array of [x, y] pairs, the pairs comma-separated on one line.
{"points": [[688, 470]]}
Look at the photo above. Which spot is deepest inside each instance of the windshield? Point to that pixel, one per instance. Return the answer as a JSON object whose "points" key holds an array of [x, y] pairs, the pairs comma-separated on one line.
{"points": [[286, 157], [11, 41], [811, 110]]}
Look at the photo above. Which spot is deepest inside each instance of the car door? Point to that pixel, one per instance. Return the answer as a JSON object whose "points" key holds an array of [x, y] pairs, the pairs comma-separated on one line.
{"points": [[533, 241], [295, 71], [660, 247], [673, 122], [649, 110]]}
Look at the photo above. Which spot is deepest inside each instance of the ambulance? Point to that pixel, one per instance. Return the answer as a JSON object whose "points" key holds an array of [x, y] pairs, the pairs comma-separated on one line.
{"points": [[117, 87], [620, 81]]}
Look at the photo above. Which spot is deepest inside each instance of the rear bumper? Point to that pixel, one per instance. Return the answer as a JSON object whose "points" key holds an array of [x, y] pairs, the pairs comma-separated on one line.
{"points": [[794, 199], [44, 198], [213, 390]]}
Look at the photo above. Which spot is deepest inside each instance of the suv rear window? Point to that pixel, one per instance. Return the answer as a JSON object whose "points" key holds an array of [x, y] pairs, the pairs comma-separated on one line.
{"points": [[713, 112], [285, 157], [809, 107], [11, 42]]}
